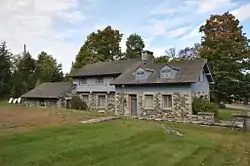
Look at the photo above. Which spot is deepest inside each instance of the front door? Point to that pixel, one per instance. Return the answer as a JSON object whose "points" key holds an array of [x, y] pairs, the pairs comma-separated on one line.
{"points": [[133, 106]]}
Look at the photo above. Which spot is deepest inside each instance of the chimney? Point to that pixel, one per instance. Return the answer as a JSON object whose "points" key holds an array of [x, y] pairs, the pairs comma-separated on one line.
{"points": [[24, 49], [147, 55]]}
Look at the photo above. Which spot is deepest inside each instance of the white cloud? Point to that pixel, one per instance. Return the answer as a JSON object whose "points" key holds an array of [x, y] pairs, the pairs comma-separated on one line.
{"points": [[207, 6], [34, 22], [177, 32], [242, 13]]}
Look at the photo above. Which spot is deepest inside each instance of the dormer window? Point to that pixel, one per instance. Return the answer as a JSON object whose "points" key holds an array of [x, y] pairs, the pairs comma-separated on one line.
{"points": [[168, 72]]}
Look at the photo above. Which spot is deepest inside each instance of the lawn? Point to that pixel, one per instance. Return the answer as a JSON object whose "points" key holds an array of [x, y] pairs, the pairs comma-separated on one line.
{"points": [[18, 118], [226, 114], [127, 142]]}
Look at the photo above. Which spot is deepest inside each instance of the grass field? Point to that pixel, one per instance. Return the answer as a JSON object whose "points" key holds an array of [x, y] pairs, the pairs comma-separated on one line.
{"points": [[226, 114], [121, 142]]}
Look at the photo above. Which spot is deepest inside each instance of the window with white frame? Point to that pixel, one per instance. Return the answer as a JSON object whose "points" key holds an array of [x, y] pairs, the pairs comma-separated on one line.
{"points": [[83, 81], [148, 100], [99, 80], [101, 100], [85, 98], [167, 101], [140, 74]]}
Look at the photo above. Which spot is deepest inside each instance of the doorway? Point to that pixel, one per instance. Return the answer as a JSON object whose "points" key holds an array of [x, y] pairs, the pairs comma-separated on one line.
{"points": [[133, 104]]}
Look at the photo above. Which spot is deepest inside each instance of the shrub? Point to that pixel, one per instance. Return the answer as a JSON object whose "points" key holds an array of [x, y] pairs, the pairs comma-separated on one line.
{"points": [[77, 103], [222, 105], [202, 105]]}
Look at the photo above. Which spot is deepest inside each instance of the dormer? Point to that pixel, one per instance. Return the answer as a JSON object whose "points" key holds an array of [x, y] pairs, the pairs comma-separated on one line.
{"points": [[140, 74], [168, 72]]}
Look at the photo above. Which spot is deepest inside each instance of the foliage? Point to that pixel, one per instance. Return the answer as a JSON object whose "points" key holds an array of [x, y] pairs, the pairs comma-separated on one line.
{"points": [[203, 105], [47, 69], [226, 48], [77, 103], [100, 46], [23, 78], [162, 59], [135, 46], [5, 70], [190, 52]]}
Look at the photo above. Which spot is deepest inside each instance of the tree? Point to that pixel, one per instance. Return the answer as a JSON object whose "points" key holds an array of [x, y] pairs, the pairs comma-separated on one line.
{"points": [[190, 52], [47, 69], [225, 47], [162, 59], [5, 70], [135, 46], [23, 78], [100, 46]]}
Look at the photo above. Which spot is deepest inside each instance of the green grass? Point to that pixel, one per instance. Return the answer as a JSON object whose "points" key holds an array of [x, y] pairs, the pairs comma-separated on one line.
{"points": [[125, 142], [226, 114]]}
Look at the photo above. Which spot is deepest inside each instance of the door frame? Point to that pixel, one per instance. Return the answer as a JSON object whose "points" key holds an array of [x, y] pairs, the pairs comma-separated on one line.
{"points": [[130, 104]]}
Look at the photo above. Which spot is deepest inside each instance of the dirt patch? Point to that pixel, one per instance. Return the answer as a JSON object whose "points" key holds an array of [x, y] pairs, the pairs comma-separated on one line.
{"points": [[22, 117]]}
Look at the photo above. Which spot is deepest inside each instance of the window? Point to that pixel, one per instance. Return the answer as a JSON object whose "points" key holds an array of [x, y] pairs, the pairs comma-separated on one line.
{"points": [[99, 80], [166, 73], [85, 98], [83, 81], [149, 101], [42, 103], [101, 100], [167, 101], [140, 75]]}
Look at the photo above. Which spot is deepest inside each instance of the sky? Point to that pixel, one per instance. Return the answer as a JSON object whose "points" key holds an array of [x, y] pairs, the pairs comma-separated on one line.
{"points": [[60, 27]]}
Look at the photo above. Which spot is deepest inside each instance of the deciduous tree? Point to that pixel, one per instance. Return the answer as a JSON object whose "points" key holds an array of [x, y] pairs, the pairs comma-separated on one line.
{"points": [[135, 46], [100, 46], [225, 46]]}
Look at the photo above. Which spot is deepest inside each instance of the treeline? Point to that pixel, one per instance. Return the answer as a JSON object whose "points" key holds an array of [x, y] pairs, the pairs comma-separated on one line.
{"points": [[21, 73]]}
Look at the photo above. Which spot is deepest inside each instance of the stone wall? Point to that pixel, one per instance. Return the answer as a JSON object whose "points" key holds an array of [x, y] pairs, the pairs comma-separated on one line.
{"points": [[181, 106], [202, 94], [93, 101], [49, 103]]}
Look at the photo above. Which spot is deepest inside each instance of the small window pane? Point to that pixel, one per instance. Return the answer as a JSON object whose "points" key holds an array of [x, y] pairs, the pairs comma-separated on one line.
{"points": [[167, 101], [99, 80], [149, 101], [101, 100], [83, 81]]}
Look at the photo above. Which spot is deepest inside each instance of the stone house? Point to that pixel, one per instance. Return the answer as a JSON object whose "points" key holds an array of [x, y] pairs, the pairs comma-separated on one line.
{"points": [[135, 87], [49, 94], [144, 88]]}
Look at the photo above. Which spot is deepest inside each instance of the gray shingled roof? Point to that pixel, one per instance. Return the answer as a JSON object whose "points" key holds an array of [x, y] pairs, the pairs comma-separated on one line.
{"points": [[104, 68], [188, 72], [49, 90]]}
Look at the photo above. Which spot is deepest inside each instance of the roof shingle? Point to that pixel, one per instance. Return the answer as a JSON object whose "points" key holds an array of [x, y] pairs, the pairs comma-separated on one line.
{"points": [[49, 90]]}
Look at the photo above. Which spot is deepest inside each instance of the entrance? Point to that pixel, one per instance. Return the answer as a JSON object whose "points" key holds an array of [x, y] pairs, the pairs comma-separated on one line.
{"points": [[133, 106]]}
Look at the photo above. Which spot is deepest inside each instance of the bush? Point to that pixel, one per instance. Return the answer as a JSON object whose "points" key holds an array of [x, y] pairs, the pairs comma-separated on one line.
{"points": [[222, 105], [202, 105], [77, 103]]}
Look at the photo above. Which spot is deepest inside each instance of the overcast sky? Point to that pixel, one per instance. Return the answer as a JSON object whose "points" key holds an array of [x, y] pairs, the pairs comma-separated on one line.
{"points": [[60, 27]]}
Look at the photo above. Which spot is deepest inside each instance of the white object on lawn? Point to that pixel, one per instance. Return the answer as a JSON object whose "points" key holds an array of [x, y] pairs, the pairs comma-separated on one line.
{"points": [[10, 100], [19, 100], [14, 101]]}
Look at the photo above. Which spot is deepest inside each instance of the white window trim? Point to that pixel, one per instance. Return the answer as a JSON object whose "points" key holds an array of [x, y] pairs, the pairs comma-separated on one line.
{"points": [[106, 100], [167, 94], [144, 98]]}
